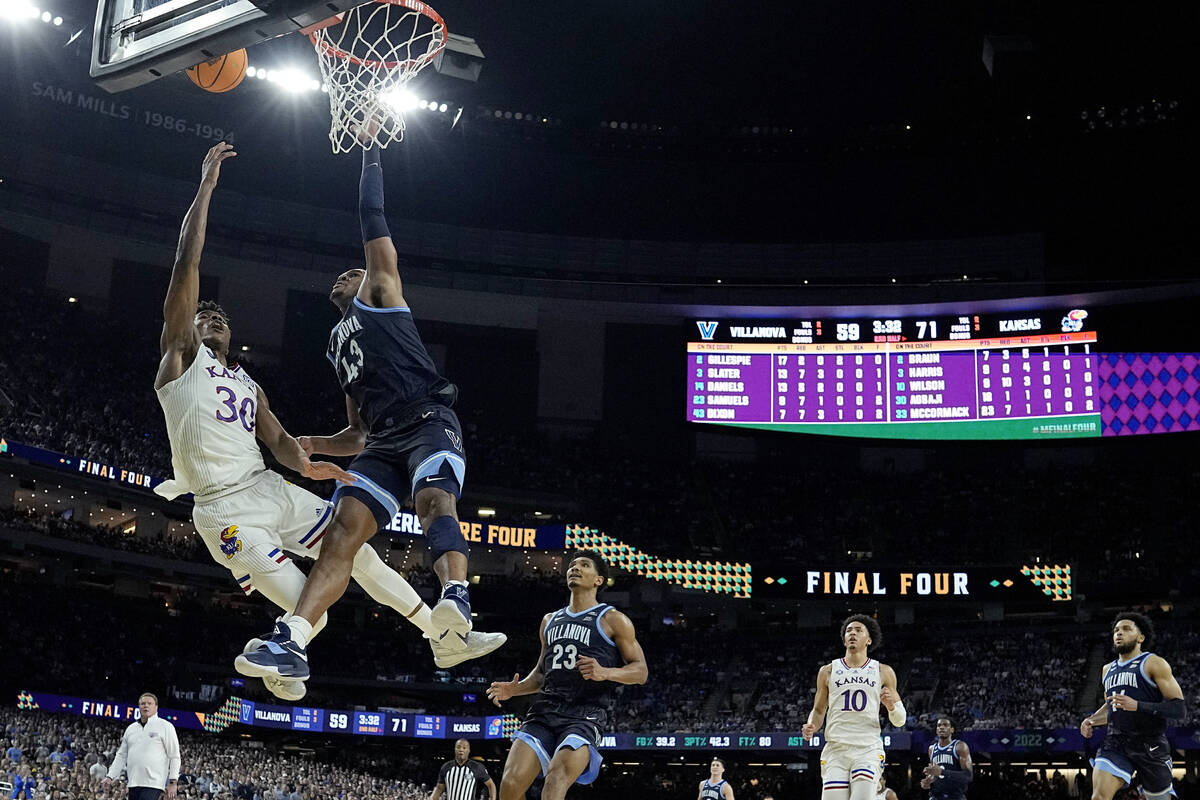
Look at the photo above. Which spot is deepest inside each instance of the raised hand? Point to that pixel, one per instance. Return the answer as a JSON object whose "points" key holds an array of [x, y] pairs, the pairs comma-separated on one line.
{"points": [[211, 170]]}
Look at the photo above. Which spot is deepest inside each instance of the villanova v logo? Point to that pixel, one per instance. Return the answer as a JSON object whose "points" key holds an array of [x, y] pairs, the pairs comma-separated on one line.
{"points": [[707, 329]]}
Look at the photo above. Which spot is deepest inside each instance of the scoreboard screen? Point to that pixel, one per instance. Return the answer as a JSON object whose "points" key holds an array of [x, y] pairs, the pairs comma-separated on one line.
{"points": [[1024, 374]]}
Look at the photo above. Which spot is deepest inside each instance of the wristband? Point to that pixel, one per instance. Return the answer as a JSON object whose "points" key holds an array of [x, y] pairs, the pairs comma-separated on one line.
{"points": [[897, 716]]}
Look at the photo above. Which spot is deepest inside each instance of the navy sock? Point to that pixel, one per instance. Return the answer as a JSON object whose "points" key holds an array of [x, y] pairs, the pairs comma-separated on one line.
{"points": [[370, 197]]}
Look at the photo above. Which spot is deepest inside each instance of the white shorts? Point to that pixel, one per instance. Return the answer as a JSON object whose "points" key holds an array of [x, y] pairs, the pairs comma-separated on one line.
{"points": [[249, 530], [843, 763]]}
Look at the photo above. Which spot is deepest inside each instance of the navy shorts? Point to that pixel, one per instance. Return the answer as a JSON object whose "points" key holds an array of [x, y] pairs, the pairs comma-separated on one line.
{"points": [[548, 730], [423, 448], [1150, 758]]}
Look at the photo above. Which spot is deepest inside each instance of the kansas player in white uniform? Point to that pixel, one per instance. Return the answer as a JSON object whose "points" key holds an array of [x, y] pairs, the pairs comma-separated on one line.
{"points": [[715, 787], [248, 516], [883, 792], [849, 694]]}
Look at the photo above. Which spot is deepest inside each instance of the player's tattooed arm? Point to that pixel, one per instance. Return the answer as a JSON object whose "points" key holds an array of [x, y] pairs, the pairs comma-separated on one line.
{"points": [[816, 718], [349, 441], [179, 336], [500, 691], [620, 629], [287, 449]]}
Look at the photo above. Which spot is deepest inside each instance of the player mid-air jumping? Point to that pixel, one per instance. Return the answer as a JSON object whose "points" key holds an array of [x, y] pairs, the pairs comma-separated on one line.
{"points": [[405, 440], [248, 516]]}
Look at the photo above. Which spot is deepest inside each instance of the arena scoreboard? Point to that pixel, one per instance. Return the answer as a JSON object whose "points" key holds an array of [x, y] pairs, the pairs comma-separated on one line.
{"points": [[1034, 374]]}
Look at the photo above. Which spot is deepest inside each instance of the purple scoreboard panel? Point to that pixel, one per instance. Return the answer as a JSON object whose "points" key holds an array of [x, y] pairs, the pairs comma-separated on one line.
{"points": [[968, 376], [1013, 374]]}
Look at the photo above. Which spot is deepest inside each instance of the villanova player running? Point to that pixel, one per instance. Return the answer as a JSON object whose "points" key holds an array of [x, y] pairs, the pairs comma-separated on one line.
{"points": [[1140, 695], [715, 787], [950, 769], [586, 648], [249, 517], [405, 441], [851, 690]]}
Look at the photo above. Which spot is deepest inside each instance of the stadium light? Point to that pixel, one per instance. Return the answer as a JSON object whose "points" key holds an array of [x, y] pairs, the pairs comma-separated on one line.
{"points": [[399, 99]]}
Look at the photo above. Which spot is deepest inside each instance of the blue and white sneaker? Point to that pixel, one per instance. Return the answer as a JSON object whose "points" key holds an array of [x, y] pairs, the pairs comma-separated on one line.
{"points": [[452, 614], [288, 689], [277, 657]]}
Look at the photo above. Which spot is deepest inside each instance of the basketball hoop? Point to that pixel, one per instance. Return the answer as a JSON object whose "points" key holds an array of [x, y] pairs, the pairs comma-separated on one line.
{"points": [[367, 56]]}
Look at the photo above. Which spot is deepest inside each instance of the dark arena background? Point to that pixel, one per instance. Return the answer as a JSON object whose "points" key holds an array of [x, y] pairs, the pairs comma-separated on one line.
{"points": [[791, 311]]}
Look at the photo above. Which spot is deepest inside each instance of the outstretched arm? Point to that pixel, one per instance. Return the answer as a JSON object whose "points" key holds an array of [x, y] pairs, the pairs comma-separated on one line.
{"points": [[381, 287], [179, 336], [500, 691], [349, 441], [287, 449]]}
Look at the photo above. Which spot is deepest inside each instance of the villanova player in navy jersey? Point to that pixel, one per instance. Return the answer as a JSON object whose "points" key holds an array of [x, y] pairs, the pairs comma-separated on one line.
{"points": [[950, 768], [1140, 695], [715, 787], [405, 440], [586, 648]]}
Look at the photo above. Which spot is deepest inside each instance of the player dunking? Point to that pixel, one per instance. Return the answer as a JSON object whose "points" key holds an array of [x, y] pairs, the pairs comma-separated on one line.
{"points": [[950, 768], [586, 648], [1140, 695], [850, 690], [404, 439], [715, 787], [247, 516]]}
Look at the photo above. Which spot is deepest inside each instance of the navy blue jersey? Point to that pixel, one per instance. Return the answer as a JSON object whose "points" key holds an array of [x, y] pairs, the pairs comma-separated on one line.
{"points": [[381, 362], [711, 791], [568, 637], [947, 759], [1130, 678]]}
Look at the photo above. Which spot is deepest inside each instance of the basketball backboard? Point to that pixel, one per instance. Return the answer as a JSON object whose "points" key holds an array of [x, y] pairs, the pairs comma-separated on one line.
{"points": [[138, 41]]}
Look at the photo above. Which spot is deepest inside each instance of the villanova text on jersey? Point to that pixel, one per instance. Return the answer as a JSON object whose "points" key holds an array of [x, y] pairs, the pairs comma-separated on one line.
{"points": [[712, 791], [947, 759], [381, 362], [569, 637], [1130, 678]]}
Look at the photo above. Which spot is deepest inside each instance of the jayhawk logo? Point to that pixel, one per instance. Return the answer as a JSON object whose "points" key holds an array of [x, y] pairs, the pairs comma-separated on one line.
{"points": [[231, 545]]}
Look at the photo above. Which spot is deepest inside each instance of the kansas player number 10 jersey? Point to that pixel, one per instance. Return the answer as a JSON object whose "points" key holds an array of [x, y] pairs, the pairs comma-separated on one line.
{"points": [[853, 716]]}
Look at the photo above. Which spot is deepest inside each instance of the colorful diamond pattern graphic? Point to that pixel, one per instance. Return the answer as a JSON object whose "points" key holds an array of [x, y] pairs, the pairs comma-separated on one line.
{"points": [[1149, 393]]}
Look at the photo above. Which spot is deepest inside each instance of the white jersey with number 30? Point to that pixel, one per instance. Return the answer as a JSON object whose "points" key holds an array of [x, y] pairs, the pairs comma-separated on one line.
{"points": [[210, 411], [853, 716]]}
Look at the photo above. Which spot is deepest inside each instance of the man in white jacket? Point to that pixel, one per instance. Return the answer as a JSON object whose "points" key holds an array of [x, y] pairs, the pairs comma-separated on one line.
{"points": [[149, 754]]}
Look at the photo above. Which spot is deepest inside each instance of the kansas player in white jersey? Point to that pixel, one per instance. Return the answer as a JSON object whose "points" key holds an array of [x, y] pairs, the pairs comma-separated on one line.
{"points": [[249, 517], [715, 787], [849, 694], [883, 792], [1140, 696]]}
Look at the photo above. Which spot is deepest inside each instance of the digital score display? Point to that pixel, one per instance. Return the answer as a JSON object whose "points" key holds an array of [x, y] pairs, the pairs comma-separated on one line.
{"points": [[975, 376]]}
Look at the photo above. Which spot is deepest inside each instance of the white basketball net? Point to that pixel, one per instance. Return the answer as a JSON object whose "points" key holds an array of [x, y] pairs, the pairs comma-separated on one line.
{"points": [[367, 59]]}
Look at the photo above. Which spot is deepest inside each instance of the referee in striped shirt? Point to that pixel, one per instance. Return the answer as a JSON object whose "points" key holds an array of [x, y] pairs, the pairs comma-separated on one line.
{"points": [[460, 777]]}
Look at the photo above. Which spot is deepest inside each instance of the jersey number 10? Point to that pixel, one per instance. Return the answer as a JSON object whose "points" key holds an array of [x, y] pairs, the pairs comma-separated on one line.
{"points": [[854, 701]]}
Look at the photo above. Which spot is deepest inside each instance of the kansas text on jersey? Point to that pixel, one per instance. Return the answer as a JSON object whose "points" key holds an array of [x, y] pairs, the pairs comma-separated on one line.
{"points": [[210, 413], [381, 362], [567, 638], [853, 716]]}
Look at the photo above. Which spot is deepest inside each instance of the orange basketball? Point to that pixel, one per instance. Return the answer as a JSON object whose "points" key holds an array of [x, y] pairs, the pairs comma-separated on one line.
{"points": [[220, 74]]}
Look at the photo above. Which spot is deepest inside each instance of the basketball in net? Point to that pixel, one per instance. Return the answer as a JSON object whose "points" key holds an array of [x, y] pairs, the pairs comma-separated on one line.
{"points": [[367, 56]]}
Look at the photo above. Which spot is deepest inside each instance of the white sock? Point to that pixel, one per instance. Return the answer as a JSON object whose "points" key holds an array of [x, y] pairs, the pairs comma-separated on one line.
{"points": [[282, 586], [302, 629], [387, 586], [456, 583]]}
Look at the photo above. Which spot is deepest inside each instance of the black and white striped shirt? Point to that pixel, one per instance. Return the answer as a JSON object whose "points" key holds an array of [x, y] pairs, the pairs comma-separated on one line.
{"points": [[462, 781]]}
